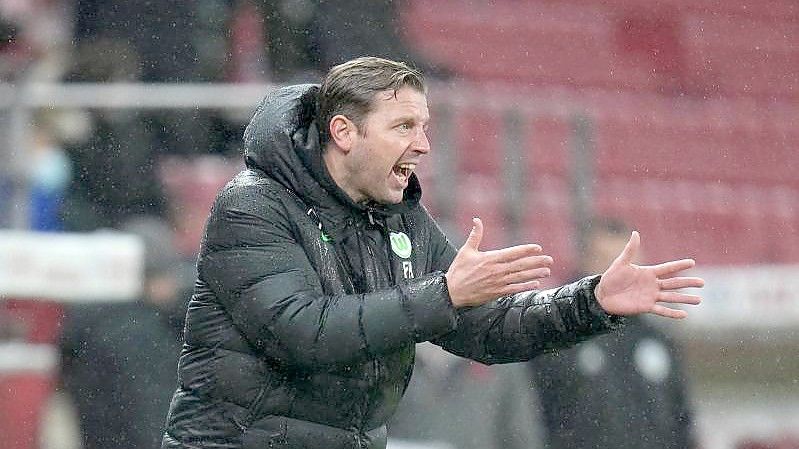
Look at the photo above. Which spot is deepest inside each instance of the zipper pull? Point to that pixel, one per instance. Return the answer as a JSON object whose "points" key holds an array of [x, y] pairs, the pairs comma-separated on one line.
{"points": [[322, 235]]}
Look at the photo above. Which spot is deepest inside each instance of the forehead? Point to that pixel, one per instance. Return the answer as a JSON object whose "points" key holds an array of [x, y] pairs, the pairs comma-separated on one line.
{"points": [[405, 101]]}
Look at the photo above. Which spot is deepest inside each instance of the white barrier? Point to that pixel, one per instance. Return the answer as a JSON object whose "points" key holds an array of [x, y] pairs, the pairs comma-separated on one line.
{"points": [[100, 266], [747, 297], [16, 357]]}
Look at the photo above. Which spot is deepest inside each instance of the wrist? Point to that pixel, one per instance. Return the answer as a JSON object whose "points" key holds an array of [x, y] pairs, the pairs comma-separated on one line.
{"points": [[610, 320], [599, 293], [449, 292]]}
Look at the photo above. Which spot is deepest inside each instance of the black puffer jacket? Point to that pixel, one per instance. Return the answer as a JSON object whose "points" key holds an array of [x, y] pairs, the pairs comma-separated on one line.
{"points": [[301, 330]]}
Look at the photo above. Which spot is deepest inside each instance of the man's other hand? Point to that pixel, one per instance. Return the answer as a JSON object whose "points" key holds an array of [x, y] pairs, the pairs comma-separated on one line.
{"points": [[629, 289], [476, 277]]}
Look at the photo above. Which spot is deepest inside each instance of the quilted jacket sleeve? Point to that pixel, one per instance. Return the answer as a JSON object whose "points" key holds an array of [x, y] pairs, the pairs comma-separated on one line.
{"points": [[261, 275], [519, 327]]}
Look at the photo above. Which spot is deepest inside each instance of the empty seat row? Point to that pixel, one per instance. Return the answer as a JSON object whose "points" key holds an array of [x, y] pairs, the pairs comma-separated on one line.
{"points": [[678, 48], [636, 134]]}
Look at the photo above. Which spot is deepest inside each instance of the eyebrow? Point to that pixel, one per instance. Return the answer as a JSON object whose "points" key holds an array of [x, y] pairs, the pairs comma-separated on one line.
{"points": [[409, 118]]}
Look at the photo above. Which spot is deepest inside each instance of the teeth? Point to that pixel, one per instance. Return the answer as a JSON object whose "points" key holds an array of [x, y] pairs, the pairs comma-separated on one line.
{"points": [[407, 166]]}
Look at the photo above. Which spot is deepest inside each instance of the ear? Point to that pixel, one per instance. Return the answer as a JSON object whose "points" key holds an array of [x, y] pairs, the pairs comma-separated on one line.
{"points": [[342, 132]]}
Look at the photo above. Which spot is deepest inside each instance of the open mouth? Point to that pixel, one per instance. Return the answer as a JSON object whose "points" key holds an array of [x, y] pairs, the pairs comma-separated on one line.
{"points": [[403, 171]]}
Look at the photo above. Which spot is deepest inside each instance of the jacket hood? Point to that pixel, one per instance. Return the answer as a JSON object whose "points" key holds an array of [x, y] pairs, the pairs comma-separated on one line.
{"points": [[282, 140]]}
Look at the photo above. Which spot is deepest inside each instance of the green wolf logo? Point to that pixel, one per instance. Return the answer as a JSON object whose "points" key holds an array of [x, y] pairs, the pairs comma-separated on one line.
{"points": [[401, 244]]}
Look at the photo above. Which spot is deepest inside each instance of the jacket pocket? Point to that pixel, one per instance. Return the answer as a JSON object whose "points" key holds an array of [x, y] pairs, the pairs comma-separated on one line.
{"points": [[267, 432], [253, 408], [280, 432]]}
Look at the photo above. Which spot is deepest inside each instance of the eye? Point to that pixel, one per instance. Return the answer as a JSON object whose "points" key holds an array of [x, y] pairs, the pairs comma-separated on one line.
{"points": [[404, 127]]}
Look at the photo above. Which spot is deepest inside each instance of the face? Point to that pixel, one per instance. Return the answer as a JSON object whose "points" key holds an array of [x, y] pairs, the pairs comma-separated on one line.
{"points": [[387, 147]]}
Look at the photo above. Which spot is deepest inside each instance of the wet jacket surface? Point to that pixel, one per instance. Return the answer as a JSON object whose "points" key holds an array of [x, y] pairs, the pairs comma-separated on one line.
{"points": [[302, 326]]}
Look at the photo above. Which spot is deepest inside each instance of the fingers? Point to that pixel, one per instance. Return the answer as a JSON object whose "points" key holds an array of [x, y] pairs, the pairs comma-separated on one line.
{"points": [[525, 268], [674, 266], [476, 235], [630, 249], [681, 282], [526, 275], [515, 252], [678, 298], [512, 289], [664, 311], [529, 263]]}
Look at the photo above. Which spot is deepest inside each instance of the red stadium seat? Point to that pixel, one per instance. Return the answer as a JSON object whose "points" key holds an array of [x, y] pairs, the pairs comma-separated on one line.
{"points": [[677, 47], [478, 148], [549, 145], [484, 197], [743, 55], [27, 381], [549, 221]]}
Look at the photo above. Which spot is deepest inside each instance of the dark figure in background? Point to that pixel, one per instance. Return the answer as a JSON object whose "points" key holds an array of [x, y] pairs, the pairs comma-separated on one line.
{"points": [[118, 360], [305, 37], [320, 271], [154, 41], [172, 41], [620, 390], [456, 403]]}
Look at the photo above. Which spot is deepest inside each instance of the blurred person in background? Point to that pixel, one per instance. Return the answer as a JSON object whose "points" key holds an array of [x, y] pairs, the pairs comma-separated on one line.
{"points": [[49, 174], [352, 28], [319, 271], [305, 37], [118, 359], [172, 41], [116, 161], [34, 36], [12, 58], [456, 403], [114, 173], [625, 389], [113, 156]]}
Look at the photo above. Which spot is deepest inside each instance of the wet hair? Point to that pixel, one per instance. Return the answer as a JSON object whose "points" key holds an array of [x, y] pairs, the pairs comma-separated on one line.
{"points": [[349, 89]]}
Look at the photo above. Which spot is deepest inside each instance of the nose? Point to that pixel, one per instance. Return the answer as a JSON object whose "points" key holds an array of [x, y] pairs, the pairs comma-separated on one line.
{"points": [[422, 143]]}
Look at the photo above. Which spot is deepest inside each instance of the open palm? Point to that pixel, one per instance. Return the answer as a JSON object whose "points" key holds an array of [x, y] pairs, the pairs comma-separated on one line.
{"points": [[629, 289]]}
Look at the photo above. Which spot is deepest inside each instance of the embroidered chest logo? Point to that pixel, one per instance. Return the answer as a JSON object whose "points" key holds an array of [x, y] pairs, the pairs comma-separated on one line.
{"points": [[400, 244]]}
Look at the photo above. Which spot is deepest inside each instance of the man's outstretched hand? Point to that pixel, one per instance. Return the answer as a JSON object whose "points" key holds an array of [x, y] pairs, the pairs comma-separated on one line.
{"points": [[629, 289], [476, 277]]}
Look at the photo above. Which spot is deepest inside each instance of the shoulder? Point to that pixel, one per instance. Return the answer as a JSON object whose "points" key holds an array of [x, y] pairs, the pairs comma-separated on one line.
{"points": [[252, 195], [246, 186], [250, 208]]}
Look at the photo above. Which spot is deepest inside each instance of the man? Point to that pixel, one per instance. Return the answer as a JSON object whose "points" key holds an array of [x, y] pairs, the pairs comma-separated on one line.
{"points": [[620, 390], [118, 359], [320, 270]]}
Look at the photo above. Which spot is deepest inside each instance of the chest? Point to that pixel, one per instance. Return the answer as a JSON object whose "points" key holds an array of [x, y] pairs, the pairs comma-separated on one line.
{"points": [[360, 256]]}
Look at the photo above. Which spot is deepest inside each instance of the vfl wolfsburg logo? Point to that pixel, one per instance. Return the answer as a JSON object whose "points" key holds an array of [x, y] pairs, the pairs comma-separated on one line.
{"points": [[400, 244]]}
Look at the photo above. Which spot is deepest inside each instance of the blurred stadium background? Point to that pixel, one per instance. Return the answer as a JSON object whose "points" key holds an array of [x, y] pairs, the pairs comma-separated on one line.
{"points": [[679, 117]]}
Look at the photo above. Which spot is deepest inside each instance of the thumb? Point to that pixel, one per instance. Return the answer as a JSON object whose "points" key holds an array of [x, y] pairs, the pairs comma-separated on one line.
{"points": [[630, 249], [473, 241]]}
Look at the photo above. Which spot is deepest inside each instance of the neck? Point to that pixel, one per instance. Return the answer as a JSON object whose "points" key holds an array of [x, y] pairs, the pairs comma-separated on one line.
{"points": [[338, 171]]}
